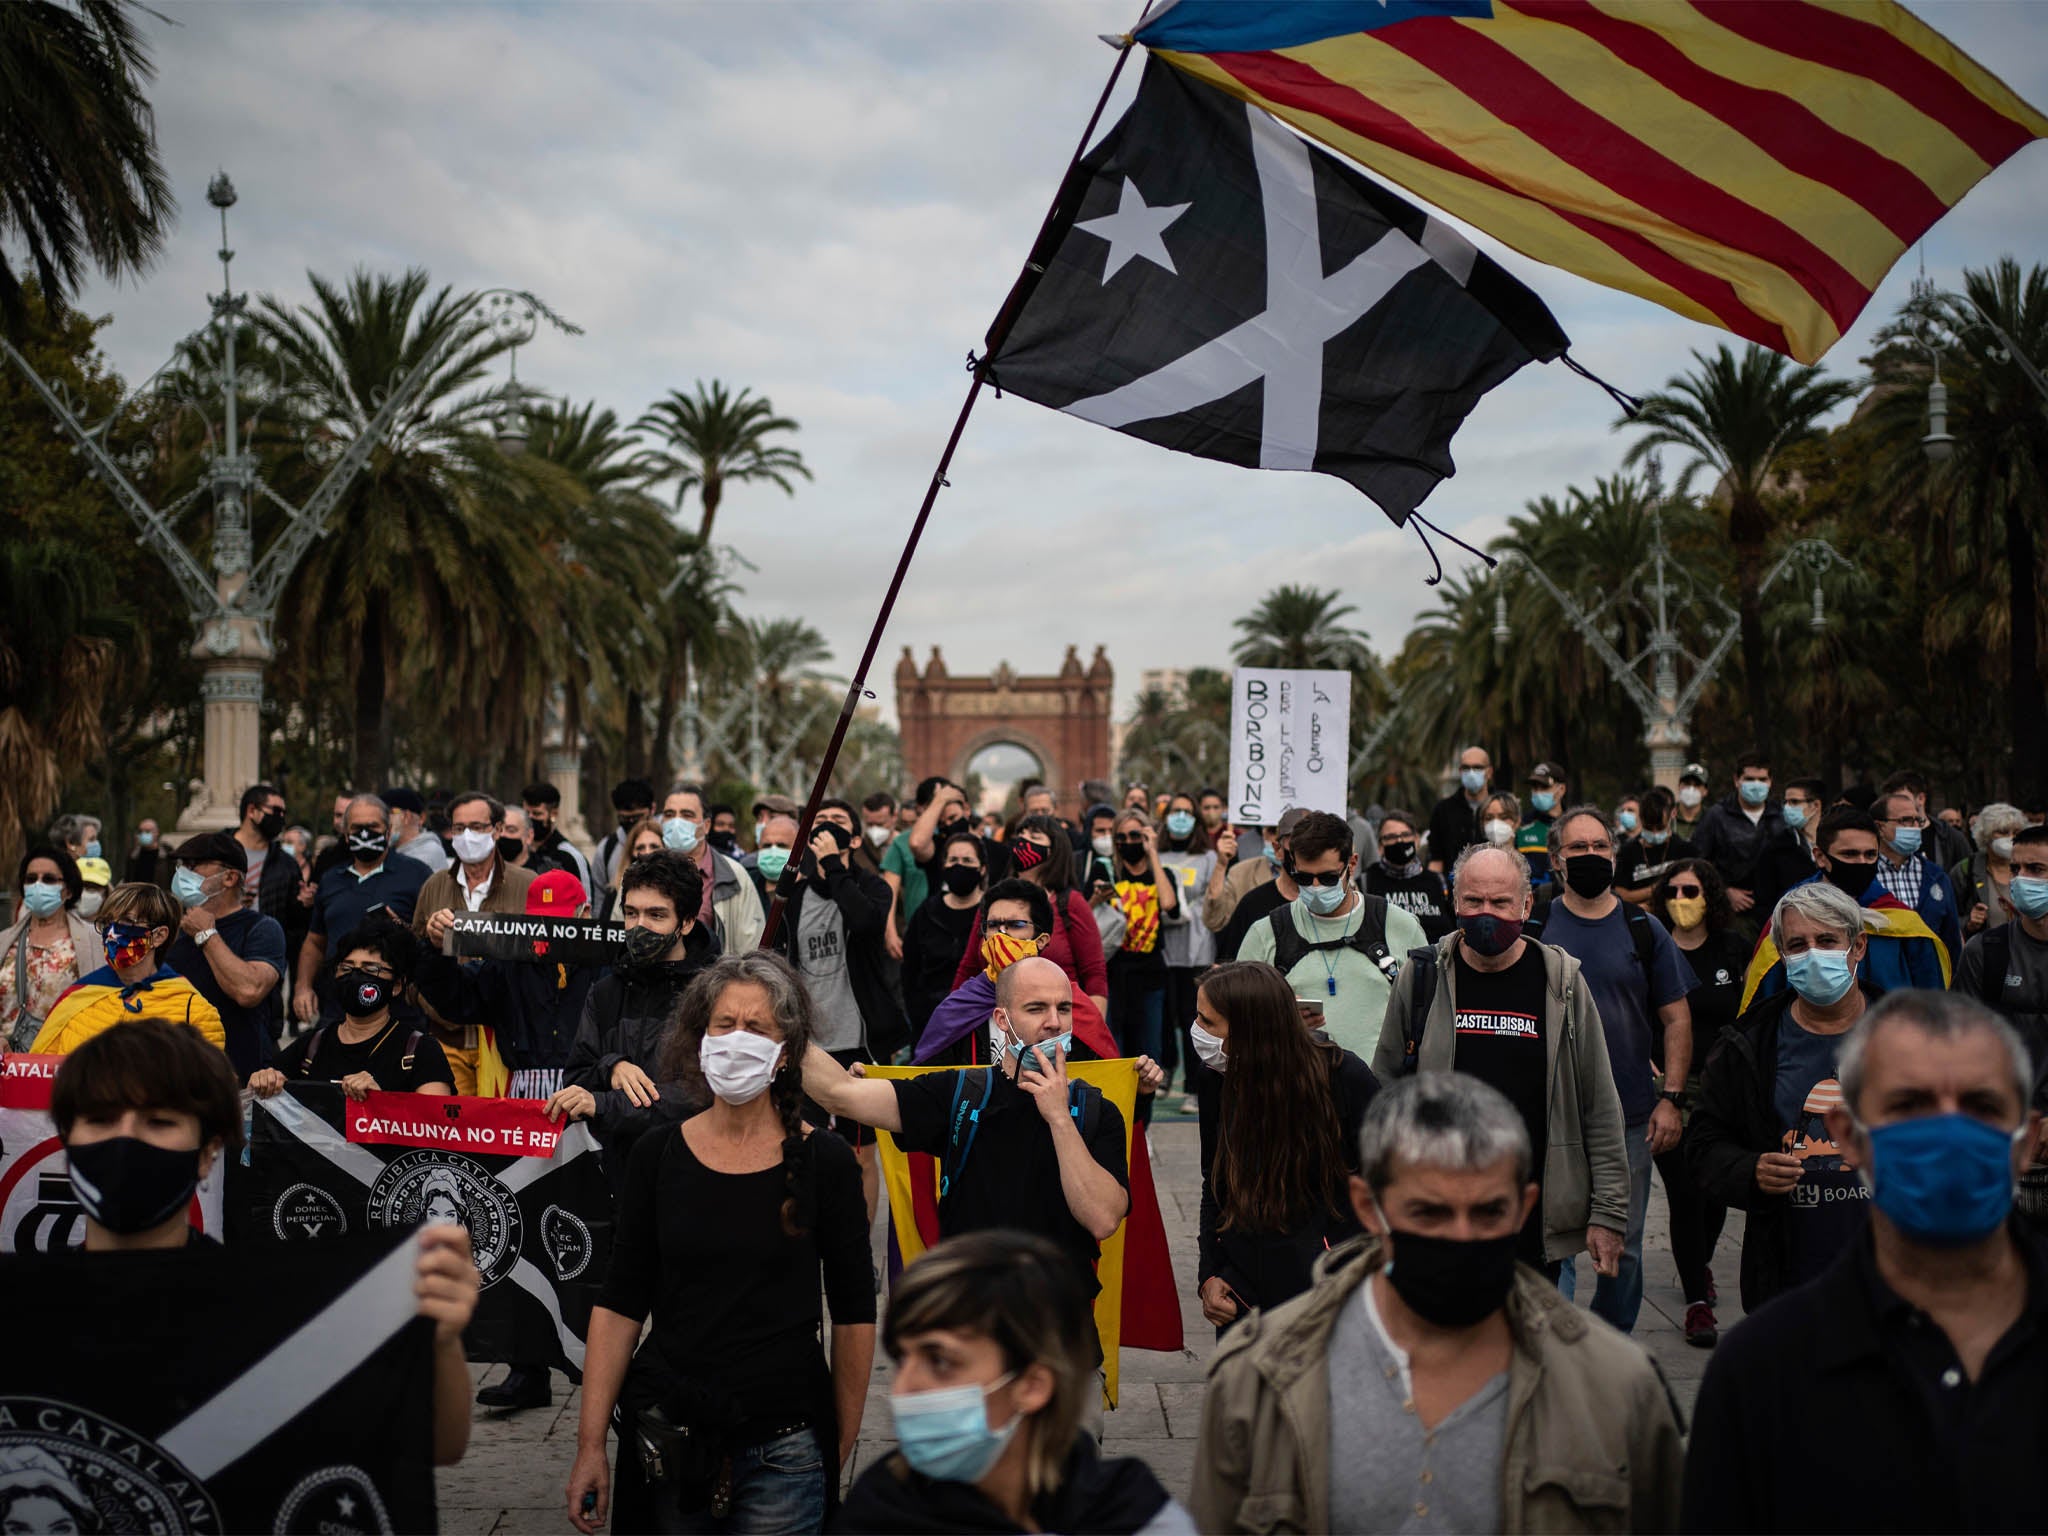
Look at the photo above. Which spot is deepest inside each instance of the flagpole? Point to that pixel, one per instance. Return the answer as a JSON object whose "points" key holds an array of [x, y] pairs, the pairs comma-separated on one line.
{"points": [[785, 886]]}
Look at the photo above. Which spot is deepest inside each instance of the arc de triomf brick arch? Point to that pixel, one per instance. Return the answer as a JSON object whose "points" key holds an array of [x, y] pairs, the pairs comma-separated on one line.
{"points": [[1062, 720]]}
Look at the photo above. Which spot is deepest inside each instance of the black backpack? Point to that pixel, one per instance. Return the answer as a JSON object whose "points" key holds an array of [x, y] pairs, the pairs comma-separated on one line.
{"points": [[1422, 991], [1084, 1103], [1997, 962], [1290, 948]]}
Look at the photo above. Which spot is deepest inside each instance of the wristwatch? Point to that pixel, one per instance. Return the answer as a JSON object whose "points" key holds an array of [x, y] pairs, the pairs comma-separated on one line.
{"points": [[1675, 1097], [200, 938]]}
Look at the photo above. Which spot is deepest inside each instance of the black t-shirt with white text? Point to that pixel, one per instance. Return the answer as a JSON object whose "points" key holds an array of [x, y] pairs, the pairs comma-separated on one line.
{"points": [[1499, 1028], [1421, 895]]}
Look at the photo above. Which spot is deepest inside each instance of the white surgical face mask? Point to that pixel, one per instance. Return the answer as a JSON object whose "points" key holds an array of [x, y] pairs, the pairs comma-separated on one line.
{"points": [[89, 901], [2001, 847], [1500, 833], [1208, 1047], [879, 836], [473, 847], [1104, 846], [1689, 795], [739, 1065]]}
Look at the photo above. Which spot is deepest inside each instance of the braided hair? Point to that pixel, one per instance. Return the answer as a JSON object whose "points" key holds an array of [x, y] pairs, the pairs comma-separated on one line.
{"points": [[790, 1003]]}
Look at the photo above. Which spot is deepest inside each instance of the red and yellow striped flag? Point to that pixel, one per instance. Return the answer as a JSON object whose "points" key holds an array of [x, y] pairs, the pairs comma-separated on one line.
{"points": [[1758, 165]]}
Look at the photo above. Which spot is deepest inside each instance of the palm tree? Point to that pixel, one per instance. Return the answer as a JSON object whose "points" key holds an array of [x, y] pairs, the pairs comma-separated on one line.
{"points": [[78, 155], [713, 438], [783, 652], [1977, 516], [1739, 415], [434, 554], [1300, 627]]}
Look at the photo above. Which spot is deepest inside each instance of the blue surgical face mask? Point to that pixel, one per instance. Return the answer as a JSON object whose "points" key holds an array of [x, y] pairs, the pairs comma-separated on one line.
{"points": [[92, 849], [1041, 1053], [2027, 893], [1180, 823], [1942, 1180], [1754, 791], [146, 839], [946, 1435], [1323, 900], [1906, 840], [1795, 816], [1474, 779], [189, 886], [42, 900], [1543, 800], [1626, 820], [1821, 976], [771, 861], [680, 833]]}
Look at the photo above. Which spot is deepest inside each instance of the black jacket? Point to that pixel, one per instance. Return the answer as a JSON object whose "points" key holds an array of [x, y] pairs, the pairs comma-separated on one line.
{"points": [[1731, 843], [1095, 1494], [1785, 861], [626, 1018], [536, 1008], [863, 901], [1453, 825], [1811, 1418], [1735, 1123]]}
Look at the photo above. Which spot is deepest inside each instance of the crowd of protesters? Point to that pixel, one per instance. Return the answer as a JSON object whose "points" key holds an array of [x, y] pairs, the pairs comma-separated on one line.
{"points": [[1434, 1059]]}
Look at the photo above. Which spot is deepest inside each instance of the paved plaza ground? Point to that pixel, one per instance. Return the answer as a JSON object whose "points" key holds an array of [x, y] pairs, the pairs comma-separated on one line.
{"points": [[511, 1480]]}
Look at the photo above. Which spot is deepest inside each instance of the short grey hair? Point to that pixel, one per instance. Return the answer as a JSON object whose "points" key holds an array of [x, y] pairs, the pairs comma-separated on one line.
{"points": [[370, 800], [1441, 1120], [1820, 903], [1941, 1015], [1996, 820], [1472, 851], [689, 787], [1573, 814]]}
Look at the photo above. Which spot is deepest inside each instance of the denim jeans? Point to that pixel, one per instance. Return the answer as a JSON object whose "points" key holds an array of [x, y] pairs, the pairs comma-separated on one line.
{"points": [[777, 1487], [1620, 1299]]}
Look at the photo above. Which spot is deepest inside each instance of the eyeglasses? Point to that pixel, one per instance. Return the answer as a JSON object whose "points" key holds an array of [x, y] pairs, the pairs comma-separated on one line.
{"points": [[1327, 877], [1015, 927], [44, 880], [1915, 820], [374, 972]]}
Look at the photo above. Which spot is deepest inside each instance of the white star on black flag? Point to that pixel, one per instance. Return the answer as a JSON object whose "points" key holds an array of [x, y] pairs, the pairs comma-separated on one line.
{"points": [[1217, 285]]}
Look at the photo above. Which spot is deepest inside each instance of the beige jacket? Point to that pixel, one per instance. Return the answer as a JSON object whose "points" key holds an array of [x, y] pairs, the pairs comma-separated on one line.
{"points": [[1593, 1439], [1585, 1155], [1242, 878]]}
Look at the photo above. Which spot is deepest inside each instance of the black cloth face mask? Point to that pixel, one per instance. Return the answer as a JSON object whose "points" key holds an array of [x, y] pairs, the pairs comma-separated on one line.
{"points": [[129, 1185], [1589, 874], [1452, 1282]]}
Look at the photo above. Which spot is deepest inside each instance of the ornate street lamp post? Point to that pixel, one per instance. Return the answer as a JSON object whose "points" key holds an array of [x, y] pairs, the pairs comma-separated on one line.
{"points": [[233, 606]]}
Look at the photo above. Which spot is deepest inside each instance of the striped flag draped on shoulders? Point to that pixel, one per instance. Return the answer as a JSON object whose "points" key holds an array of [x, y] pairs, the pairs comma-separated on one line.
{"points": [[1757, 165]]}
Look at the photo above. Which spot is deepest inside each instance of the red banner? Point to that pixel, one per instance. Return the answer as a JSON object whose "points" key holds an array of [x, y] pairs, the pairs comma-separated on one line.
{"points": [[484, 1127], [25, 1080]]}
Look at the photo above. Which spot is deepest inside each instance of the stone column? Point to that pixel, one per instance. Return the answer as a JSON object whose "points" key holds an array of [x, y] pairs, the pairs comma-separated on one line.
{"points": [[564, 764], [235, 651]]}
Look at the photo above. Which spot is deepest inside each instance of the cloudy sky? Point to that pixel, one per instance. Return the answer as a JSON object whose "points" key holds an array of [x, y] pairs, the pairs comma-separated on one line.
{"points": [[826, 203]]}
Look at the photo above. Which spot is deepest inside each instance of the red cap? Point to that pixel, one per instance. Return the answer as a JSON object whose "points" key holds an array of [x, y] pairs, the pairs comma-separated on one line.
{"points": [[555, 894]]}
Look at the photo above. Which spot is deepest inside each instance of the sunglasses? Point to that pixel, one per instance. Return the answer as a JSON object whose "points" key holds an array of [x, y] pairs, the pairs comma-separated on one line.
{"points": [[1687, 890], [44, 880], [1327, 877]]}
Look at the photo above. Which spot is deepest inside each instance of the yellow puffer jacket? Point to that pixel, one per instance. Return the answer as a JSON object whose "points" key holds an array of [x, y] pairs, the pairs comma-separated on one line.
{"points": [[100, 1001]]}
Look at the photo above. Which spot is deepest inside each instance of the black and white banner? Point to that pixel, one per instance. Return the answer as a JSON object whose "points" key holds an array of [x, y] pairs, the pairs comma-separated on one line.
{"points": [[199, 1390], [513, 936], [532, 1195]]}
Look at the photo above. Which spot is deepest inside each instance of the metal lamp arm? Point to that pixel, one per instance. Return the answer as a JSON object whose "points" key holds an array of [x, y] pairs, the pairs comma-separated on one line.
{"points": [[1630, 683], [156, 531]]}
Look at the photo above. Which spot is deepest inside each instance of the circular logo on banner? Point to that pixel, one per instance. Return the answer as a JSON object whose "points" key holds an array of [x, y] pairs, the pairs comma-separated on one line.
{"points": [[308, 1211], [431, 1185], [64, 1469], [336, 1500], [567, 1241], [39, 1210]]}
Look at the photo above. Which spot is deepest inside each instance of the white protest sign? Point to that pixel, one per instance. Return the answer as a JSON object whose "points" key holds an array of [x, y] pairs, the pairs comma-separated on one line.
{"points": [[1290, 742]]}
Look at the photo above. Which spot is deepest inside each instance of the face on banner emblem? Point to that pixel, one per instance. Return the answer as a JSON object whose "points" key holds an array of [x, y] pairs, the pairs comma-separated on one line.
{"points": [[63, 1469], [431, 1185]]}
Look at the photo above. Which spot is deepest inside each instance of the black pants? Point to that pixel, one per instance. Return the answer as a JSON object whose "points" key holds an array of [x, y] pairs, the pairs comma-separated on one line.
{"points": [[1696, 1221], [1137, 996]]}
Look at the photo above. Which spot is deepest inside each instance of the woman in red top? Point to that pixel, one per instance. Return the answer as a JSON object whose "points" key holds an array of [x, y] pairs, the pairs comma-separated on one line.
{"points": [[1040, 853]]}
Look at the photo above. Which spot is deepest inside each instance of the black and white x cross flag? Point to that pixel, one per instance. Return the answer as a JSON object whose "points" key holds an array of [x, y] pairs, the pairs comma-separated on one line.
{"points": [[1220, 286]]}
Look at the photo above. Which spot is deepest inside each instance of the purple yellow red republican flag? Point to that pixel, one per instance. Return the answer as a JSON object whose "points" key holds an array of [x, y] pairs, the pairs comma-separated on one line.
{"points": [[1757, 165]]}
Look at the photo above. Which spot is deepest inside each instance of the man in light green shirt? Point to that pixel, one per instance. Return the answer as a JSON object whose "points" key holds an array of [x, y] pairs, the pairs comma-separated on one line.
{"points": [[1337, 945]]}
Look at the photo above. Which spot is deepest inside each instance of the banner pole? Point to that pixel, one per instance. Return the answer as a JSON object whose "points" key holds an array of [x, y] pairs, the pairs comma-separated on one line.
{"points": [[785, 886]]}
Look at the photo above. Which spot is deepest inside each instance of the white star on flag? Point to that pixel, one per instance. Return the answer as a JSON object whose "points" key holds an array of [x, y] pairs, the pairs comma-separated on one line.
{"points": [[1134, 230]]}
